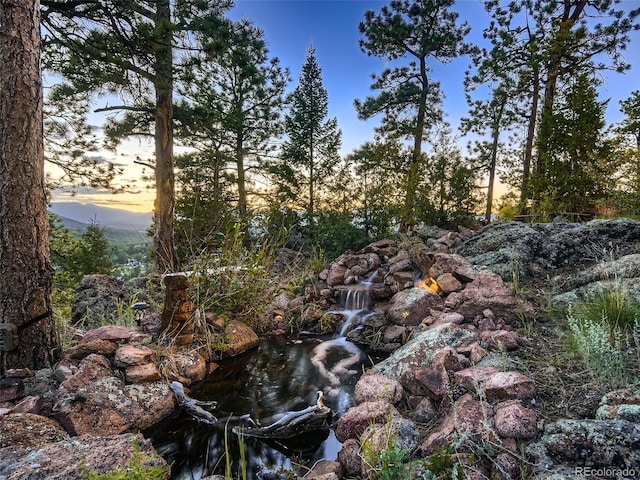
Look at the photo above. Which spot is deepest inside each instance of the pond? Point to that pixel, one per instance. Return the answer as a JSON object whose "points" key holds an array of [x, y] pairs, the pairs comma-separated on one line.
{"points": [[283, 374]]}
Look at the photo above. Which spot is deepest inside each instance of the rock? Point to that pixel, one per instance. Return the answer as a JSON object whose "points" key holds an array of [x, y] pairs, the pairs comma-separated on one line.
{"points": [[350, 457], [456, 265], [504, 247], [513, 420], [501, 340], [509, 385], [142, 373], [115, 333], [474, 378], [94, 401], [505, 467], [98, 300], [11, 389], [336, 274], [592, 443], [31, 404], [424, 410], [84, 348], [450, 359], [409, 307], [394, 333], [358, 418], [418, 352], [623, 404], [129, 355], [378, 387], [239, 338], [186, 366], [325, 470], [71, 458], [398, 433], [21, 431], [474, 351], [488, 290], [467, 417], [449, 283], [430, 381], [18, 373]]}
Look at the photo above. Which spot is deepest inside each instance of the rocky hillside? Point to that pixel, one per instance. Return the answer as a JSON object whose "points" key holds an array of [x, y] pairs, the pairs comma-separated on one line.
{"points": [[481, 374]]}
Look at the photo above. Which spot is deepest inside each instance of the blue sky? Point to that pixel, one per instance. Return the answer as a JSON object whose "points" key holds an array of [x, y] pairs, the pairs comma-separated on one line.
{"points": [[331, 26]]}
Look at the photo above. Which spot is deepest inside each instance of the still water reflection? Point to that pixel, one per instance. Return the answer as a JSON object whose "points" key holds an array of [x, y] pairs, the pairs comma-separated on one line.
{"points": [[281, 375]]}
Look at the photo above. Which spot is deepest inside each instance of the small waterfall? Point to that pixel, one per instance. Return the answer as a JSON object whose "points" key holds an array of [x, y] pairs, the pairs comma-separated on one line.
{"points": [[355, 303], [337, 360]]}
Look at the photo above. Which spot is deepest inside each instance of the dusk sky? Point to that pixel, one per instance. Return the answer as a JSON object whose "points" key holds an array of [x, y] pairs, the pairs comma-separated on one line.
{"points": [[331, 26]]}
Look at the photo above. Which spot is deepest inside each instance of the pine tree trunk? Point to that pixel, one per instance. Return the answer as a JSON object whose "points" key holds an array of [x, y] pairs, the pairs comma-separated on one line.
{"points": [[164, 250], [25, 268]]}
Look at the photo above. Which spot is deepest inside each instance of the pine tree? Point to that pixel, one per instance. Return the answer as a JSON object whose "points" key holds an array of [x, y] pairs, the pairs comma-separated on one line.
{"points": [[26, 272], [410, 101], [310, 153], [135, 50], [231, 114]]}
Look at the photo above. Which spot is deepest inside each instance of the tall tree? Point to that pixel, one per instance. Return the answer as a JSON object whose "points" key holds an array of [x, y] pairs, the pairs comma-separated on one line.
{"points": [[573, 44], [234, 105], [578, 167], [310, 153], [411, 102], [26, 280], [127, 49]]}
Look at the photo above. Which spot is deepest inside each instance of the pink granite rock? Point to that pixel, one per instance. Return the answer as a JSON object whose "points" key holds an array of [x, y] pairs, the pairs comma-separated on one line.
{"points": [[130, 355], [514, 420], [509, 385], [378, 387], [358, 418]]}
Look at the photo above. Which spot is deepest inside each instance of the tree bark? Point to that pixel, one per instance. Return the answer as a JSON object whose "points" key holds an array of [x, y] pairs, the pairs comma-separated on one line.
{"points": [[164, 250], [26, 273]]}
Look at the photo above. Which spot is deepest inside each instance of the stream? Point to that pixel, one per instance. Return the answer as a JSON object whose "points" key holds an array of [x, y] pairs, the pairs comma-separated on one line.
{"points": [[283, 374]]}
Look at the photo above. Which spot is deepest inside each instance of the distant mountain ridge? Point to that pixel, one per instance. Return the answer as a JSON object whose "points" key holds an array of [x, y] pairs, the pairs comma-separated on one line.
{"points": [[107, 217]]}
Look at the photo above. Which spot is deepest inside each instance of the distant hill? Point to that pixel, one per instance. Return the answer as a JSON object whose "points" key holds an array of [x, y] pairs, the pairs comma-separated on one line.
{"points": [[114, 235], [107, 217]]}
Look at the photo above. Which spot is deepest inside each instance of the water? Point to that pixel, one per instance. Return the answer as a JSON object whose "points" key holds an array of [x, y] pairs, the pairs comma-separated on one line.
{"points": [[281, 375]]}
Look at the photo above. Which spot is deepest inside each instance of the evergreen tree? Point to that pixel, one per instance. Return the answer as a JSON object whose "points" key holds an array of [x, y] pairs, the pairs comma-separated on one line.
{"points": [[94, 252], [576, 153], [310, 153], [411, 102], [132, 50], [25, 262], [231, 114]]}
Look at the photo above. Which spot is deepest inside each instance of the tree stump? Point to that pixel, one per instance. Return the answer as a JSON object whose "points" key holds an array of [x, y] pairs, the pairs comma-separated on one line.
{"points": [[177, 308]]}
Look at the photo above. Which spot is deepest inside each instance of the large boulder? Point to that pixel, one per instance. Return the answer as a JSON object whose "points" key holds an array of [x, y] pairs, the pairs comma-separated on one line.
{"points": [[75, 457], [98, 301], [418, 352], [410, 306], [94, 401], [488, 291]]}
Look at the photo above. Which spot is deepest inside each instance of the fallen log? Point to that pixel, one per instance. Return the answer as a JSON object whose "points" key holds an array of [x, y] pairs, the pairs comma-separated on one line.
{"points": [[290, 424]]}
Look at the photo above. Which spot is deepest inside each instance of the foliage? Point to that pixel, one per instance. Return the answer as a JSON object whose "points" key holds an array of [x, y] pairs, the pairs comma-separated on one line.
{"points": [[230, 112], [577, 158], [310, 153], [235, 280], [136, 469], [409, 100], [602, 353], [334, 233], [449, 197]]}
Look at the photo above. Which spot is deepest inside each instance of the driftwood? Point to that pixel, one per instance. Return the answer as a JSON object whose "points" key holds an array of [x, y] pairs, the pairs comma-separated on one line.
{"points": [[314, 418]]}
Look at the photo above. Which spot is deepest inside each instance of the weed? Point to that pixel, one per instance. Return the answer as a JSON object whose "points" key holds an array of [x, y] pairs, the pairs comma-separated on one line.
{"points": [[600, 347], [138, 468]]}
